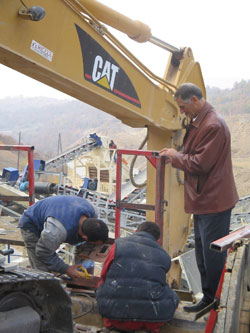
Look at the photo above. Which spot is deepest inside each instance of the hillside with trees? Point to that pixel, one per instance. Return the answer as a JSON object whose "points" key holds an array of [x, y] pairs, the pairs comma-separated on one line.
{"points": [[231, 101]]}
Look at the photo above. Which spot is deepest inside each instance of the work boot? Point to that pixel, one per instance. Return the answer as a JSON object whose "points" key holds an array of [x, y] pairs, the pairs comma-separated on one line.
{"points": [[196, 307]]}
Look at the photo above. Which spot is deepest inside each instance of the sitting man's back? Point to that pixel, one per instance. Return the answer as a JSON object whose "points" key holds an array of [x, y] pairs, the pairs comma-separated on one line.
{"points": [[134, 289]]}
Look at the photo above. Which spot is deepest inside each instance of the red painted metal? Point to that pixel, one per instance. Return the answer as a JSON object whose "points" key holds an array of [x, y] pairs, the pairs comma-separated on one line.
{"points": [[159, 163], [31, 177], [152, 160], [146, 153], [118, 193], [159, 200], [16, 147], [220, 245], [214, 313], [30, 150]]}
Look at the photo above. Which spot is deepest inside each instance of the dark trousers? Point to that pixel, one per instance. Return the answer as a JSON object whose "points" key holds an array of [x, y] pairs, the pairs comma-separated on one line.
{"points": [[208, 228]]}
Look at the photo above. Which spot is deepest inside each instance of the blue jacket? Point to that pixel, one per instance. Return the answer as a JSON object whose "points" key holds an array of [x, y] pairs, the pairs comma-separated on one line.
{"points": [[135, 288], [65, 208]]}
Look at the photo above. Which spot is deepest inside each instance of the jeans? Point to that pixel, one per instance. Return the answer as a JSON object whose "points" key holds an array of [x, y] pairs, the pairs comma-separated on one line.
{"points": [[208, 228]]}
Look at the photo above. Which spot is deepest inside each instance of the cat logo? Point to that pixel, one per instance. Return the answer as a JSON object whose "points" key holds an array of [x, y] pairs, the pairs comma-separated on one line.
{"points": [[104, 73], [102, 70]]}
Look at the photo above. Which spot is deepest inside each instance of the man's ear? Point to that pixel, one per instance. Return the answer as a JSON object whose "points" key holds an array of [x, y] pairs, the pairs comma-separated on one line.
{"points": [[84, 237], [195, 99]]}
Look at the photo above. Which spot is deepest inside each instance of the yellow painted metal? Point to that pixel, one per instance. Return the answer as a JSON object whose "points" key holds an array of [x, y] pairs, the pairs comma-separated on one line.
{"points": [[57, 33], [61, 66], [176, 222], [134, 29]]}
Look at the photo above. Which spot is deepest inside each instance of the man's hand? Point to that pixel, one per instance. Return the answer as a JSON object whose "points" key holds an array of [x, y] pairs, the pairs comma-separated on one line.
{"points": [[73, 271], [169, 153]]}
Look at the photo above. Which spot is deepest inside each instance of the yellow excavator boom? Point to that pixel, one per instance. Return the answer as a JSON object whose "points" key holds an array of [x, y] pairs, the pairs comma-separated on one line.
{"points": [[63, 44]]}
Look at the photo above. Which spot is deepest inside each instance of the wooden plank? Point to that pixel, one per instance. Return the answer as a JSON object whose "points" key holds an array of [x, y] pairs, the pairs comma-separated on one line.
{"points": [[220, 324], [10, 198], [245, 315], [230, 261], [183, 322], [13, 234], [240, 252], [235, 297], [222, 313], [246, 304], [184, 295], [225, 290]]}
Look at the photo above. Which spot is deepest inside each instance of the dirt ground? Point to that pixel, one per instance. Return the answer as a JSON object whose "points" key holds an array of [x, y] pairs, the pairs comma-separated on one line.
{"points": [[240, 137]]}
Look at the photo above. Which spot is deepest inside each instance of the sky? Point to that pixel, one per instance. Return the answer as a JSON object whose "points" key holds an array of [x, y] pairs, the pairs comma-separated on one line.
{"points": [[216, 31]]}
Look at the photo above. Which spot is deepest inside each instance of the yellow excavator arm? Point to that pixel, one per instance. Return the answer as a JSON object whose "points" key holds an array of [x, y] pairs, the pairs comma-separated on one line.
{"points": [[63, 44]]}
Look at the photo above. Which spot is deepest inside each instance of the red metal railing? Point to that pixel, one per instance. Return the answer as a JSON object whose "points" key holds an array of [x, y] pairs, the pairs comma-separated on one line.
{"points": [[220, 245], [159, 164], [30, 150]]}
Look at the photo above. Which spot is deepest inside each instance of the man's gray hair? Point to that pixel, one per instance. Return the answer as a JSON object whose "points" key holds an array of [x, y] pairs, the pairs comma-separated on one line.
{"points": [[188, 90]]}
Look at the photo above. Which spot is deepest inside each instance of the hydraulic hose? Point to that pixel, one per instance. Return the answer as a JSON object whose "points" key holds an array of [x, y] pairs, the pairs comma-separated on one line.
{"points": [[131, 176]]}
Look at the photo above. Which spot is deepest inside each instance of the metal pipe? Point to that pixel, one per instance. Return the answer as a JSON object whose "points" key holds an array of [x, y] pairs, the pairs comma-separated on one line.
{"points": [[226, 242], [158, 42], [134, 29]]}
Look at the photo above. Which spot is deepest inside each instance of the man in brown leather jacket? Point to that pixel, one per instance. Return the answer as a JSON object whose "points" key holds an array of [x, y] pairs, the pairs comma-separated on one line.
{"points": [[209, 187]]}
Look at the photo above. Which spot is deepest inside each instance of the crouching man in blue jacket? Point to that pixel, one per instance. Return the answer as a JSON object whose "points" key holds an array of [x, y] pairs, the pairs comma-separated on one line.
{"points": [[56, 220]]}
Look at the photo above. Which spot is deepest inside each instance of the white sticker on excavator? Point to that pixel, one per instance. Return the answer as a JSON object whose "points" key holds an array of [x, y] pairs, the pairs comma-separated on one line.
{"points": [[38, 48]]}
